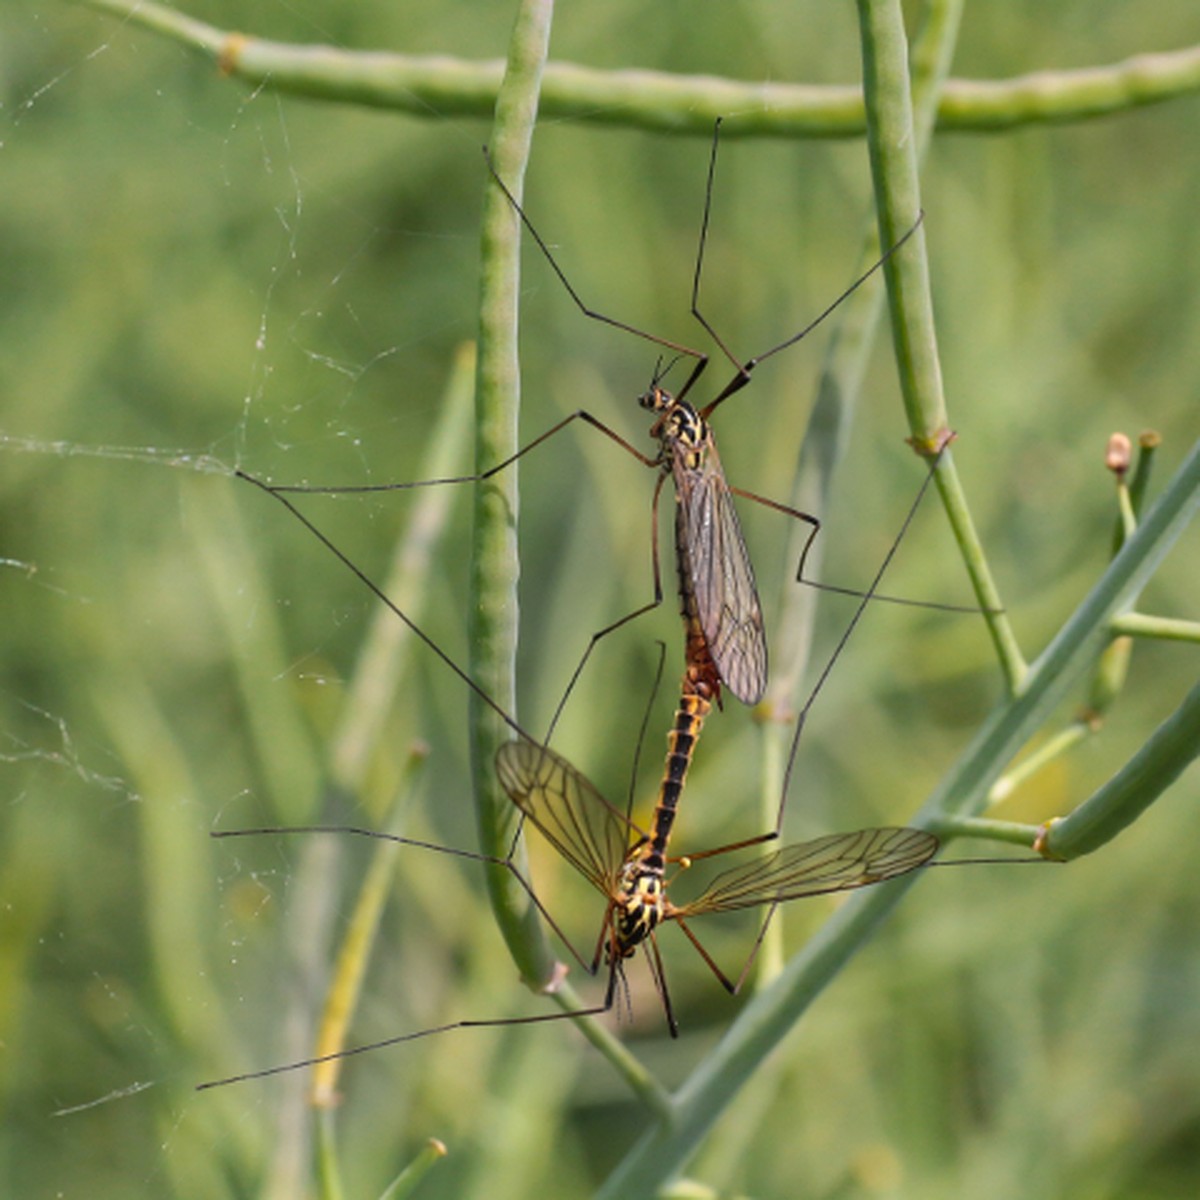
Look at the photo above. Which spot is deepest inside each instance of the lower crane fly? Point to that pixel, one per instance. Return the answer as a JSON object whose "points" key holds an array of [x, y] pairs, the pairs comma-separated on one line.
{"points": [[627, 865], [628, 868]]}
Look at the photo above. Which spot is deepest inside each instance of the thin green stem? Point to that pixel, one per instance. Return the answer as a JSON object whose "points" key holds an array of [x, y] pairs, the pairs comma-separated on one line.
{"points": [[1009, 832], [893, 148], [1119, 802], [406, 1182], [1148, 444], [329, 1173], [495, 566], [1029, 766], [1073, 650], [853, 335], [639, 1078], [440, 85], [1171, 629]]}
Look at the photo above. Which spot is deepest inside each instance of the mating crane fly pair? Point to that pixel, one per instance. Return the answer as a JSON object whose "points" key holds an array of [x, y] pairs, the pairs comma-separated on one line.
{"points": [[624, 864], [725, 646]]}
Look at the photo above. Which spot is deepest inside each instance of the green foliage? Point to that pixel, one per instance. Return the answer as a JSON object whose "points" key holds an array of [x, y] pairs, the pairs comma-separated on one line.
{"points": [[199, 273]]}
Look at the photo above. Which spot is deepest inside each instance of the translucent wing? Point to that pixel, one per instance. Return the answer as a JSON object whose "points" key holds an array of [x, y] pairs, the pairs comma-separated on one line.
{"points": [[829, 864], [570, 813], [715, 567]]}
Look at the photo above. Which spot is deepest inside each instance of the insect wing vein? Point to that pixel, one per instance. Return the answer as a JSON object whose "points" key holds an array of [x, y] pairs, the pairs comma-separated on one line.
{"points": [[722, 579], [829, 864], [570, 813]]}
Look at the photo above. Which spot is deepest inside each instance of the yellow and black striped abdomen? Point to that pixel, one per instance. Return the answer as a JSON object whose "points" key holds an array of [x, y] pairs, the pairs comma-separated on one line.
{"points": [[681, 744]]}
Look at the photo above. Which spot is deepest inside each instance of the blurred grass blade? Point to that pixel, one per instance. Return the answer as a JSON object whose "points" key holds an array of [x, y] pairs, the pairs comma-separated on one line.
{"points": [[383, 657], [278, 730], [406, 1182], [341, 1000]]}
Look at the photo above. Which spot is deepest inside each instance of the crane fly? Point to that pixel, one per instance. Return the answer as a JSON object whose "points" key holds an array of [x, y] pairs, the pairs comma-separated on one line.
{"points": [[718, 595], [711, 557]]}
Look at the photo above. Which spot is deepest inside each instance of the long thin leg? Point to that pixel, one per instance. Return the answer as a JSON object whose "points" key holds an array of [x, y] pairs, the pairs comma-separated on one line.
{"points": [[299, 1064], [752, 957], [788, 511], [859, 610], [701, 244], [450, 851], [382, 596], [578, 415], [724, 980], [877, 597], [742, 378], [700, 357], [656, 567], [642, 730], [654, 958], [743, 369]]}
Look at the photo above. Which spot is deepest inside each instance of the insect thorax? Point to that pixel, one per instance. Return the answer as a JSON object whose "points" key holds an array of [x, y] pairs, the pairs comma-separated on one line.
{"points": [[680, 429], [640, 905]]}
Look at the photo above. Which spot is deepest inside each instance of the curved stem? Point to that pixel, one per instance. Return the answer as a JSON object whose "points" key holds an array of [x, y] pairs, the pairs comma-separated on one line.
{"points": [[1119, 802], [440, 85]]}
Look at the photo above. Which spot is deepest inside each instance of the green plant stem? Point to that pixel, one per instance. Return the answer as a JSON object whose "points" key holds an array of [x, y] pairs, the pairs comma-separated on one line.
{"points": [[329, 1173], [1172, 629], [1011, 832], [1073, 649], [893, 148], [406, 1182], [495, 567], [1051, 749], [639, 1078], [440, 85], [1148, 444], [1120, 801], [845, 362]]}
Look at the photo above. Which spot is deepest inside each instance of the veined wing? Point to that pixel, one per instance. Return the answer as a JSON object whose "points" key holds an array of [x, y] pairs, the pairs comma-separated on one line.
{"points": [[570, 813], [715, 566], [835, 863]]}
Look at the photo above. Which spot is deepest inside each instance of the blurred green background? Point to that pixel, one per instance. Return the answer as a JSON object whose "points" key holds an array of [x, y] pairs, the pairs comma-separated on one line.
{"points": [[191, 270]]}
